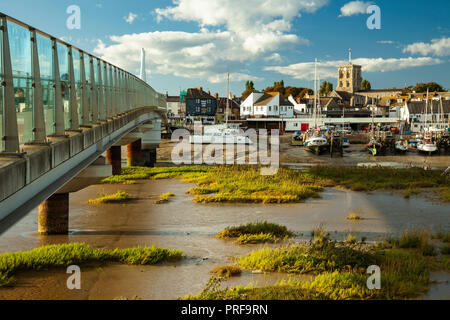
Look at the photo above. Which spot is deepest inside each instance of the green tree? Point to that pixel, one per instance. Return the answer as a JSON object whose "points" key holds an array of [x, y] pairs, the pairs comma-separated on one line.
{"points": [[249, 89], [325, 88], [366, 86], [304, 92], [431, 86]]}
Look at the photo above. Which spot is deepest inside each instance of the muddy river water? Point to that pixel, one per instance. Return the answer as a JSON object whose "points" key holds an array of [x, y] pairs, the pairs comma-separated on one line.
{"points": [[182, 224]]}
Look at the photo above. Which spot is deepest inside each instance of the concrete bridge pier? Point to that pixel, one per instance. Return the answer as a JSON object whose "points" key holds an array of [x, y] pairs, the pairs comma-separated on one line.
{"points": [[149, 157], [134, 154], [54, 215], [54, 212], [114, 157]]}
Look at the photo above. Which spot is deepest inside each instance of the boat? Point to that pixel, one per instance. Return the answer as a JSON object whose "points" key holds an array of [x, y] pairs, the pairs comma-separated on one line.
{"points": [[345, 143], [297, 139], [316, 144], [427, 146], [225, 133], [401, 146], [374, 147]]}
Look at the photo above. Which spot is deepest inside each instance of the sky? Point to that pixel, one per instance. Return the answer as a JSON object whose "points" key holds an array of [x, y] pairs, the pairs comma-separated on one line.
{"points": [[192, 43]]}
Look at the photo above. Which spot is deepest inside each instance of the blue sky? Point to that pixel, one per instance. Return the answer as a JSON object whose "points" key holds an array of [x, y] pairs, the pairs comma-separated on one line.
{"points": [[196, 42]]}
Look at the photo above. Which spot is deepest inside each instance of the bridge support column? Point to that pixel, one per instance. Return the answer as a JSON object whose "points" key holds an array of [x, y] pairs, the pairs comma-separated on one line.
{"points": [[114, 157], [149, 158], [134, 154], [54, 215]]}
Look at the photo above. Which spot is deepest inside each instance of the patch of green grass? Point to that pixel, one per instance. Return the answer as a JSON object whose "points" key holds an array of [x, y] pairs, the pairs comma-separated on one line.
{"points": [[410, 192], [213, 291], [445, 249], [63, 255], [340, 270], [165, 197], [255, 229], [226, 271], [320, 255], [443, 236], [118, 197], [257, 238], [246, 184], [353, 216], [351, 239]]}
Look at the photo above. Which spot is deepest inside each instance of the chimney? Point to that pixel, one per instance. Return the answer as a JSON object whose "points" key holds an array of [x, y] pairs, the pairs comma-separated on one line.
{"points": [[216, 95], [209, 92]]}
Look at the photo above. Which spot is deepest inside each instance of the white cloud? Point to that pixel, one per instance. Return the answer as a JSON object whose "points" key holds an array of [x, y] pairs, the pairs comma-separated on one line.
{"points": [[131, 17], [328, 69], [232, 34], [385, 42], [354, 7], [437, 47], [274, 57], [99, 5]]}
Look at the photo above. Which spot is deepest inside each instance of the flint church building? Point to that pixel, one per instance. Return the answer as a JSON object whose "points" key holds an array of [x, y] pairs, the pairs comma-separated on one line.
{"points": [[349, 87]]}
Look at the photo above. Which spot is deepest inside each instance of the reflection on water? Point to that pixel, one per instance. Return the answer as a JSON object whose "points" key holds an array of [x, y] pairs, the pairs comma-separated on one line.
{"points": [[190, 227]]}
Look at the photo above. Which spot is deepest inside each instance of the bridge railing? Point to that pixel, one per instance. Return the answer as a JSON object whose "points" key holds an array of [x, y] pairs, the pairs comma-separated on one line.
{"points": [[49, 87]]}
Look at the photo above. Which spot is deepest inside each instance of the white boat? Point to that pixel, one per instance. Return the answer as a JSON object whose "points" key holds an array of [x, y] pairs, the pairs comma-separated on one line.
{"points": [[427, 146], [401, 146], [316, 144]]}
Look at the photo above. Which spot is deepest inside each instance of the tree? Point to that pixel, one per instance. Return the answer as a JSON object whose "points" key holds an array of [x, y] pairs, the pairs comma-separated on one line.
{"points": [[366, 86], [431, 86], [325, 88], [304, 92], [249, 89]]}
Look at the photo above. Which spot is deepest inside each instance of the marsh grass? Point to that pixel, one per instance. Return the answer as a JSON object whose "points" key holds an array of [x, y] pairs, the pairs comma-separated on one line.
{"points": [[118, 197], [245, 183], [443, 236], [226, 271], [411, 192], [63, 255], [260, 232], [164, 198], [354, 216], [340, 272]]}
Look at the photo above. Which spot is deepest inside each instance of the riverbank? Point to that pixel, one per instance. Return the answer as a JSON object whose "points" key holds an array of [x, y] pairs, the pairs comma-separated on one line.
{"points": [[184, 225]]}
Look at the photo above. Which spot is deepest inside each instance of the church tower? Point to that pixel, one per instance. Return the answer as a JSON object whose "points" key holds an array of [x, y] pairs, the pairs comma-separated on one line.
{"points": [[349, 76]]}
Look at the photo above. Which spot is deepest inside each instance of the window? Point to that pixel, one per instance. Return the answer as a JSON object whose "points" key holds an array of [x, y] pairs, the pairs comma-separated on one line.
{"points": [[270, 108]]}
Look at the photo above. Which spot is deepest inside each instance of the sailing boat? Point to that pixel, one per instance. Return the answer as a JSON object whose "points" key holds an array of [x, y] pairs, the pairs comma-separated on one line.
{"points": [[316, 143], [373, 146], [426, 145], [401, 145]]}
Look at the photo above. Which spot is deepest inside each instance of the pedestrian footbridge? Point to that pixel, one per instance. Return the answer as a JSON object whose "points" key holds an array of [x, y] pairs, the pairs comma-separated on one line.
{"points": [[60, 109]]}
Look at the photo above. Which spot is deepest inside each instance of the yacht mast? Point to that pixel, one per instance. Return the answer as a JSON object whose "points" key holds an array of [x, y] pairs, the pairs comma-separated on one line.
{"points": [[228, 97], [315, 95]]}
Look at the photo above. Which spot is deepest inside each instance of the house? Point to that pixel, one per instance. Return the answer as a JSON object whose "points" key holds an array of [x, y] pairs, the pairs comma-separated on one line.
{"points": [[267, 105], [413, 113], [200, 106], [233, 111], [173, 105]]}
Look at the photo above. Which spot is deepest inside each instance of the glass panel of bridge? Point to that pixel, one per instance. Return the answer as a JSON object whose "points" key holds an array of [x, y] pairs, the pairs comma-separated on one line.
{"points": [[2, 148], [48, 91], [63, 59], [20, 46], [95, 64], [105, 80], [87, 70], [77, 72]]}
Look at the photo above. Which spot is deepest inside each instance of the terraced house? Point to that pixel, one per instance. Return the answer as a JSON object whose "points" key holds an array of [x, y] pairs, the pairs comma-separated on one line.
{"points": [[200, 106]]}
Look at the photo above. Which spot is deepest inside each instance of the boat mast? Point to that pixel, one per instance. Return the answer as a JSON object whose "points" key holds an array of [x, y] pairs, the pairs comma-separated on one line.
{"points": [[426, 113], [228, 97], [315, 95]]}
